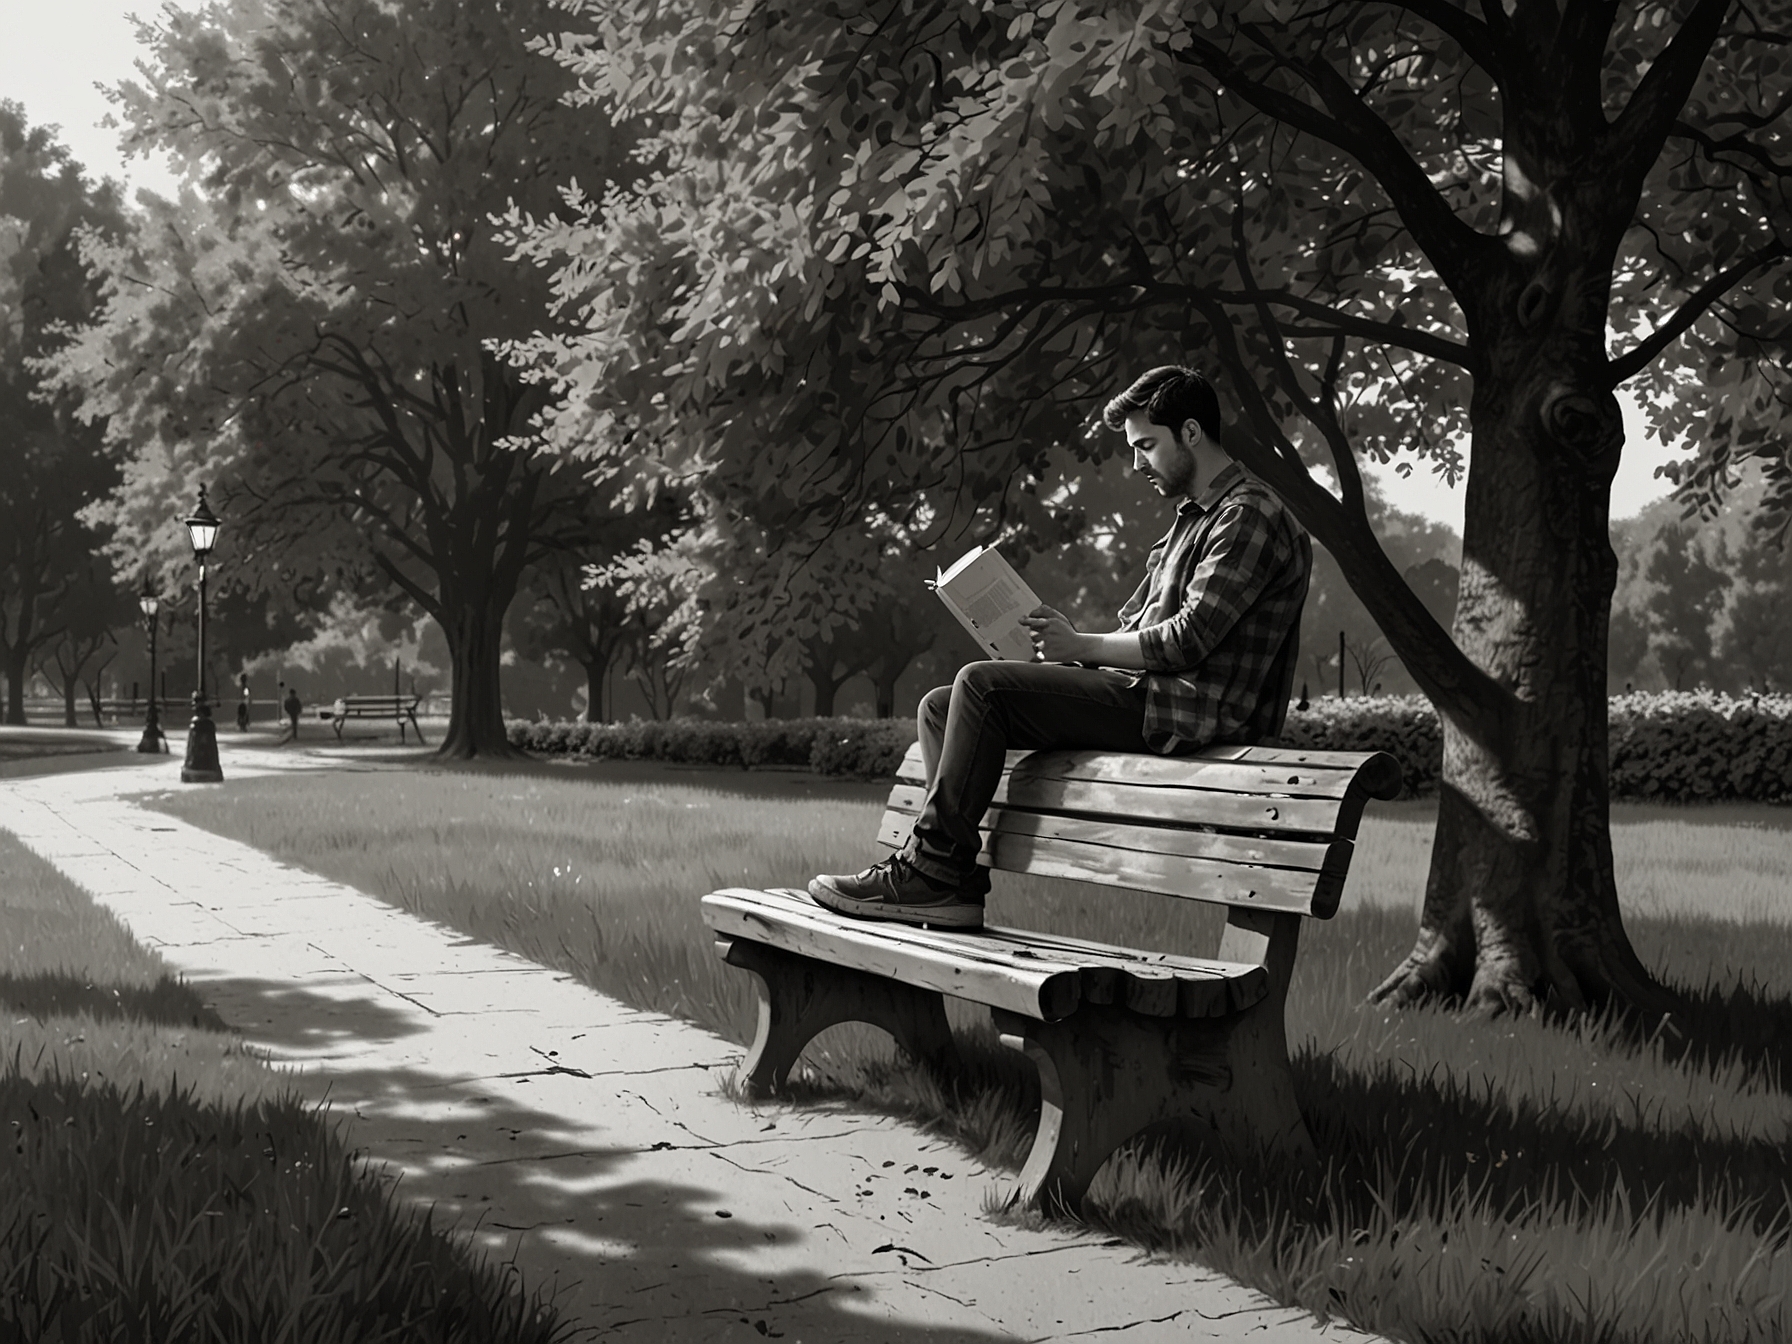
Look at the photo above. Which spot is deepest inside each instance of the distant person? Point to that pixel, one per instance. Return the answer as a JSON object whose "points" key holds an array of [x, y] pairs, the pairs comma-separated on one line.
{"points": [[242, 706], [292, 706]]}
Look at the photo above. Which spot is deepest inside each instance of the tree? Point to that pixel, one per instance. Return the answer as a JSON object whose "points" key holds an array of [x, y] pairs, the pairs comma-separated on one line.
{"points": [[1386, 225], [51, 465], [658, 588], [594, 623], [1754, 638], [1686, 583], [897, 630], [1370, 661], [312, 330], [90, 611], [1701, 598]]}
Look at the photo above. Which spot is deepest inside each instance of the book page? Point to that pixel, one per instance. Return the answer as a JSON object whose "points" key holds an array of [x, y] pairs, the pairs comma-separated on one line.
{"points": [[989, 598]]}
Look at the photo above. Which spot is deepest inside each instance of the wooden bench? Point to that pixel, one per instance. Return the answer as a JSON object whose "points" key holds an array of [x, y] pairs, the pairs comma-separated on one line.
{"points": [[1125, 1040], [396, 707]]}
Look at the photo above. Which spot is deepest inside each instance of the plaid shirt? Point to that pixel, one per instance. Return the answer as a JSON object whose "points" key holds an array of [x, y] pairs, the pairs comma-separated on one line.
{"points": [[1218, 617]]}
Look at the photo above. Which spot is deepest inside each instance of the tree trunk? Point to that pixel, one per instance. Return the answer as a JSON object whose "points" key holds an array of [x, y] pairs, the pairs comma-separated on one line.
{"points": [[596, 711], [1520, 906], [16, 658], [474, 631], [826, 688], [69, 717], [884, 690]]}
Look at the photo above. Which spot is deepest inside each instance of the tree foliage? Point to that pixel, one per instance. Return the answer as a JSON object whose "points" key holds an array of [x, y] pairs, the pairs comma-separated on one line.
{"points": [[309, 329], [51, 465], [1702, 600]]}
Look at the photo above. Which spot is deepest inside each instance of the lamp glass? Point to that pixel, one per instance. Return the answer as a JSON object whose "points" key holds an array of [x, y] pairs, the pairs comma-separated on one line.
{"points": [[202, 528], [149, 603], [204, 535]]}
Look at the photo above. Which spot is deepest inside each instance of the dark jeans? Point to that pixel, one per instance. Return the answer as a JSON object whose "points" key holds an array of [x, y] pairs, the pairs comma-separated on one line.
{"points": [[995, 707]]}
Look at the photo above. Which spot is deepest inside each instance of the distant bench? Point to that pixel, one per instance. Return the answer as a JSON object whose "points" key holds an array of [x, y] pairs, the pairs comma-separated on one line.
{"points": [[1124, 1039], [398, 708], [121, 709]]}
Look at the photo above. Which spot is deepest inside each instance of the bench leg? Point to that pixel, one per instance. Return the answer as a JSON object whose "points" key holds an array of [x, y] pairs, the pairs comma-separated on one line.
{"points": [[799, 997], [415, 729], [1107, 1074]]}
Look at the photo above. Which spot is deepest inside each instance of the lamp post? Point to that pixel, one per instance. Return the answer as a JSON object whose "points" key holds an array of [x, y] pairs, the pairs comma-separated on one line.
{"points": [[152, 739], [201, 766]]}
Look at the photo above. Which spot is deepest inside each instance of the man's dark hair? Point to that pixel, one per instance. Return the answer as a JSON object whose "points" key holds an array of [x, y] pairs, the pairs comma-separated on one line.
{"points": [[1168, 395]]}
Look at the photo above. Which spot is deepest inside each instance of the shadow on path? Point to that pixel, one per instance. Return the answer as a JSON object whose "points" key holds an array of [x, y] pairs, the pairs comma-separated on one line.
{"points": [[654, 1253]]}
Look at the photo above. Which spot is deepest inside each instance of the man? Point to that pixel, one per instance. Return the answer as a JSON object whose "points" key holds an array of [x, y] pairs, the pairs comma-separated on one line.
{"points": [[292, 705], [1205, 653]]}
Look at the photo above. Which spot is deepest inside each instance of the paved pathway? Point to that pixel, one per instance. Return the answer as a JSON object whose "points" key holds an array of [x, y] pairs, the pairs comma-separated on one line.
{"points": [[585, 1139]]}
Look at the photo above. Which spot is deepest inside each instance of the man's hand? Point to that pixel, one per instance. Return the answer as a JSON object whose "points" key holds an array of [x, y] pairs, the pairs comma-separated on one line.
{"points": [[1055, 639]]}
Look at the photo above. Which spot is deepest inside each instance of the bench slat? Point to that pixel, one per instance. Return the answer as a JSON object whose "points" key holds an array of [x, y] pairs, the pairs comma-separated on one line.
{"points": [[969, 966], [1132, 802], [1207, 988], [1170, 875], [1038, 975], [1249, 777], [1239, 769], [1310, 856]]}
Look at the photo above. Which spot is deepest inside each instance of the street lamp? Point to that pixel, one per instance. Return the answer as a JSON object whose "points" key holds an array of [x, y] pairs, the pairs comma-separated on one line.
{"points": [[152, 739], [201, 766]]}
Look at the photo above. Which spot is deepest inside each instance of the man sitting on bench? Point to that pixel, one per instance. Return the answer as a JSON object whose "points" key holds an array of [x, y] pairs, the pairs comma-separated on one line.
{"points": [[1205, 653]]}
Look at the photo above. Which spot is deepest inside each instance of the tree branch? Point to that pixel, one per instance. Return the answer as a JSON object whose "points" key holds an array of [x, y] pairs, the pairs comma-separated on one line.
{"points": [[1639, 131], [1473, 36], [1351, 127], [1640, 356]]}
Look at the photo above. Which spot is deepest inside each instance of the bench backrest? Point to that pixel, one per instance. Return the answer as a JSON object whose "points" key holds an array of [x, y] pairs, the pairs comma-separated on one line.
{"points": [[1259, 827]]}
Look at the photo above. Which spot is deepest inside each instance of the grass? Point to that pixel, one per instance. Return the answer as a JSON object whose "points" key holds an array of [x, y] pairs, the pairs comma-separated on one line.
{"points": [[1481, 1180], [163, 1185]]}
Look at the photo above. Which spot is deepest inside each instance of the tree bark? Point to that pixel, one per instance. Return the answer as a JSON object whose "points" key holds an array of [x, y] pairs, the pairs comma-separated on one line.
{"points": [[1521, 908], [474, 631]]}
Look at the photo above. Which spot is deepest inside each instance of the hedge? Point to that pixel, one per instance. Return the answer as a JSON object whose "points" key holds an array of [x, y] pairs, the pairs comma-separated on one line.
{"points": [[1672, 746], [867, 748]]}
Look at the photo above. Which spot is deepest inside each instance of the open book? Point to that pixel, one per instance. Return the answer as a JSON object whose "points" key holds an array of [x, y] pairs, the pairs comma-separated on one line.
{"points": [[989, 599]]}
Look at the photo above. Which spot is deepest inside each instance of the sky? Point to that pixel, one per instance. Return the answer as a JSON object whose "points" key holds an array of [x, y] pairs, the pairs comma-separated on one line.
{"points": [[56, 54]]}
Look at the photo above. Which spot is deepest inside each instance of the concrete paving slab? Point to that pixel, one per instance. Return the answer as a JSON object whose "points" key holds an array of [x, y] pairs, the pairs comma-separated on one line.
{"points": [[589, 1141]]}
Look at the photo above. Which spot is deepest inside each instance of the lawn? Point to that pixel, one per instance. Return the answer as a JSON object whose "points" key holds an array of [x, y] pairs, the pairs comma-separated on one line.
{"points": [[163, 1185], [1483, 1180]]}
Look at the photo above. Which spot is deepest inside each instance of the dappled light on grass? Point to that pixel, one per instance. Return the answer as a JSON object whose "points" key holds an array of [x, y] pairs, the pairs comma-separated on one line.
{"points": [[1480, 1179]]}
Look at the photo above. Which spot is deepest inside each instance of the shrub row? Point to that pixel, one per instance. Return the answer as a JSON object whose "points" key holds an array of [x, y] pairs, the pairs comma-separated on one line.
{"points": [[1667, 747], [1672, 746], [866, 748], [1404, 726]]}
